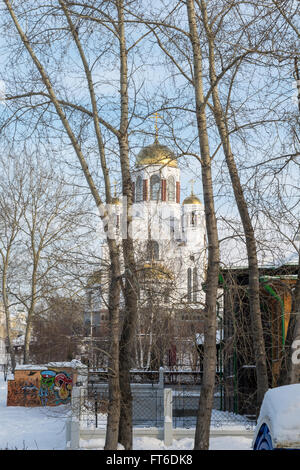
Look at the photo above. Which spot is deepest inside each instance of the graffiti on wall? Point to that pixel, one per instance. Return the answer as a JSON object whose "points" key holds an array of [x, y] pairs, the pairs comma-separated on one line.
{"points": [[47, 387], [55, 387]]}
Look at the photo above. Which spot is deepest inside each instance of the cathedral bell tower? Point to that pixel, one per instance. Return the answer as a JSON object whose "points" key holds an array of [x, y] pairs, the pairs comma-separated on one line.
{"points": [[157, 190], [193, 219]]}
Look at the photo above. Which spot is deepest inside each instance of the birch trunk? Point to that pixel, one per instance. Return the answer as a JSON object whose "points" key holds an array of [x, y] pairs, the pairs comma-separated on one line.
{"points": [[130, 291], [209, 361], [7, 317], [254, 298], [114, 411], [113, 418]]}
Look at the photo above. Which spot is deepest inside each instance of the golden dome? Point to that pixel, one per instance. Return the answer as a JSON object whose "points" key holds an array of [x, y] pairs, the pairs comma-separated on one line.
{"points": [[192, 199], [156, 154], [156, 271]]}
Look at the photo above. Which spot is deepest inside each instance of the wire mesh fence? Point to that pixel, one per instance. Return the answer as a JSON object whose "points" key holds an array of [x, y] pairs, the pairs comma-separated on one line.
{"points": [[149, 410], [94, 408], [185, 405]]}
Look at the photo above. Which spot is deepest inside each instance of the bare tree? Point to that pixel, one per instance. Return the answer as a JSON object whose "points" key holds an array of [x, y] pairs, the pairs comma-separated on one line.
{"points": [[288, 50], [41, 217], [210, 325], [226, 49], [58, 332], [183, 44], [12, 210], [223, 128], [77, 23], [47, 221], [59, 108]]}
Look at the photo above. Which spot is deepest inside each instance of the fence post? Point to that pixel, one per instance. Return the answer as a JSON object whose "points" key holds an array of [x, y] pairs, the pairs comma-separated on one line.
{"points": [[76, 401], [73, 433], [161, 378], [168, 421]]}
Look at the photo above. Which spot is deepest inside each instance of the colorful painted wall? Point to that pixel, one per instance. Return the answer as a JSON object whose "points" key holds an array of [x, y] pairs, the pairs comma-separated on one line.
{"points": [[41, 387]]}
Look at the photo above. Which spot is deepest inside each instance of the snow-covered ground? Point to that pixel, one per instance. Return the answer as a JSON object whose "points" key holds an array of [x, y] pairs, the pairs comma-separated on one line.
{"points": [[42, 428]]}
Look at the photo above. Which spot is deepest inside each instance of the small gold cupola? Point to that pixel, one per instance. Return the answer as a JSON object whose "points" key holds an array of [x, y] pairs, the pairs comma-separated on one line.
{"points": [[192, 199]]}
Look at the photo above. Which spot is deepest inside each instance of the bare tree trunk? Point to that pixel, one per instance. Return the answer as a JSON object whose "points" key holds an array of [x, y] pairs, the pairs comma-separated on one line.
{"points": [[254, 298], [130, 293], [111, 441], [209, 362], [31, 309], [130, 312], [113, 418], [27, 337], [7, 319], [112, 435]]}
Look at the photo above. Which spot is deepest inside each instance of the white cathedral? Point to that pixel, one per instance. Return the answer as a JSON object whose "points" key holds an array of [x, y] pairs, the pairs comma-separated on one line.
{"points": [[170, 241]]}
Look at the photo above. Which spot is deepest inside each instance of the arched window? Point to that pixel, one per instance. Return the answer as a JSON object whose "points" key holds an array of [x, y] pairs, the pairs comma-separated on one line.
{"points": [[139, 189], [195, 285], [193, 219], [189, 284], [152, 250], [155, 188], [171, 189]]}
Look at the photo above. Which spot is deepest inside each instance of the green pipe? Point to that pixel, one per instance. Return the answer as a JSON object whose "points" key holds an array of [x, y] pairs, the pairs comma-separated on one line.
{"points": [[271, 291]]}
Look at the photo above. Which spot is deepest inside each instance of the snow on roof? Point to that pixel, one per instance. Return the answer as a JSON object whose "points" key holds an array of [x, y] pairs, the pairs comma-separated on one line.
{"points": [[280, 410], [74, 364]]}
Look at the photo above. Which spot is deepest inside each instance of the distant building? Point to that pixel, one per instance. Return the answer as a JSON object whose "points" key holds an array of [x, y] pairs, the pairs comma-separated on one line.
{"points": [[170, 252], [276, 295]]}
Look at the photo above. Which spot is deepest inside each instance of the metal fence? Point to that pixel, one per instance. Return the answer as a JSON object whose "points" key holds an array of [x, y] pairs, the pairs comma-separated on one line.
{"points": [[93, 408], [148, 410], [185, 409]]}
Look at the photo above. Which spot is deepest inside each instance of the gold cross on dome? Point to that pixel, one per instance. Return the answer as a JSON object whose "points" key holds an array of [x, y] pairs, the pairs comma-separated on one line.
{"points": [[156, 116], [192, 181]]}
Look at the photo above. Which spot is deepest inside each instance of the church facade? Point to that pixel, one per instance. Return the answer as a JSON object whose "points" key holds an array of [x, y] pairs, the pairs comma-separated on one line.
{"points": [[170, 252]]}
